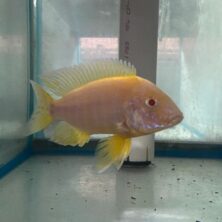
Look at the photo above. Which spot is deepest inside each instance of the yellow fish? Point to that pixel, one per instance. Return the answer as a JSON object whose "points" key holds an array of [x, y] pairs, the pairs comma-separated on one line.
{"points": [[101, 97]]}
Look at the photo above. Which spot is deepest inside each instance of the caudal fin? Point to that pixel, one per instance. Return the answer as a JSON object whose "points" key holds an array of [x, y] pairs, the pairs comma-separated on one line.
{"points": [[113, 150], [41, 117]]}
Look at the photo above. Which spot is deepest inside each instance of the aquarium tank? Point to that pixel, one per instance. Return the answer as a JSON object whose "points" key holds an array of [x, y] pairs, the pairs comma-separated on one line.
{"points": [[15, 74], [44, 181]]}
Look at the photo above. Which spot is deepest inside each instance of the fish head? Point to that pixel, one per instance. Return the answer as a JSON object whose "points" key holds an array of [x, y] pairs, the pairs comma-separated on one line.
{"points": [[151, 110]]}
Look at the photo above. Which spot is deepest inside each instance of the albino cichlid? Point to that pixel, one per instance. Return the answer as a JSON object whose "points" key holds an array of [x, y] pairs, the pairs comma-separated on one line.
{"points": [[102, 97]]}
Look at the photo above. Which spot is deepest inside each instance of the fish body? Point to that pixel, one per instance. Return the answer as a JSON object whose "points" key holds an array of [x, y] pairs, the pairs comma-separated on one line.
{"points": [[114, 106], [98, 107], [109, 99]]}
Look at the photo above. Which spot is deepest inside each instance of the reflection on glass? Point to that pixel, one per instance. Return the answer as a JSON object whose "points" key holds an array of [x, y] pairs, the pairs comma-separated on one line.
{"points": [[190, 66], [97, 48], [13, 75], [76, 31]]}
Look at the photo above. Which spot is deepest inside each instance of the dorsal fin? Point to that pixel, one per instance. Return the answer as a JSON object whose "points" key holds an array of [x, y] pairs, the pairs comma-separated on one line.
{"points": [[64, 80]]}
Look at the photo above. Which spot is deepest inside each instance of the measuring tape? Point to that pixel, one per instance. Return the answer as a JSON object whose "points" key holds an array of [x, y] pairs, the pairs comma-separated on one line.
{"points": [[138, 45]]}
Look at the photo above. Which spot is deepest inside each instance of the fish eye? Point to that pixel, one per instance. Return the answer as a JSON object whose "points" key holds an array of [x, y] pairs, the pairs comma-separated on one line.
{"points": [[150, 102]]}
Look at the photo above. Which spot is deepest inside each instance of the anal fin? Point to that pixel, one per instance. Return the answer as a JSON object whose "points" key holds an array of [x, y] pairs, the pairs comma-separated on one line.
{"points": [[65, 134], [112, 150]]}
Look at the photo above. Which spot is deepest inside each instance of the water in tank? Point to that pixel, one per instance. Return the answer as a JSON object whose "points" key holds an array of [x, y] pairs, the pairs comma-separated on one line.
{"points": [[40, 36], [14, 73]]}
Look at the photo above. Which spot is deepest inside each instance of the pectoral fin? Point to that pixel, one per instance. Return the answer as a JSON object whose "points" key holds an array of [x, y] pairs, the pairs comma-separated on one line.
{"points": [[113, 150], [65, 134]]}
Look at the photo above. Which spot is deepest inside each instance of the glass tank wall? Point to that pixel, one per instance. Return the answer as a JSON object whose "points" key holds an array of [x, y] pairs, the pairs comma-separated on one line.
{"points": [[77, 31], [190, 67], [14, 42], [189, 59]]}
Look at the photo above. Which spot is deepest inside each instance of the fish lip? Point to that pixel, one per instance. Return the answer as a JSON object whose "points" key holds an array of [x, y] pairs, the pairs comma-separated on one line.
{"points": [[172, 122], [176, 119]]}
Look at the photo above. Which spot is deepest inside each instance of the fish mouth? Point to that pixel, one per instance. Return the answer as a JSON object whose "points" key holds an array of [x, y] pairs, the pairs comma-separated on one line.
{"points": [[170, 123], [165, 124], [175, 120]]}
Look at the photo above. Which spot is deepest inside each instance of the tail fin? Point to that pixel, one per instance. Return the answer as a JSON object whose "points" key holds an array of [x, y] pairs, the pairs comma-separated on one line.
{"points": [[41, 117]]}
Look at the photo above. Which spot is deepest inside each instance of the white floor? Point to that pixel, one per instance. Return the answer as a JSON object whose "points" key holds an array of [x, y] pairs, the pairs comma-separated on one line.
{"points": [[67, 189]]}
